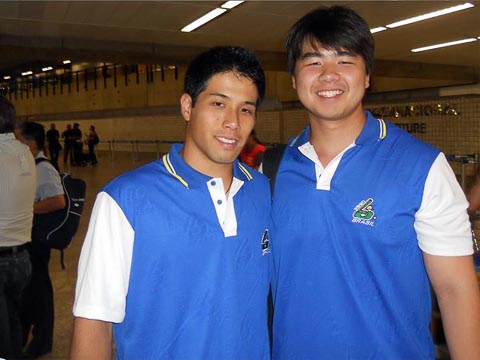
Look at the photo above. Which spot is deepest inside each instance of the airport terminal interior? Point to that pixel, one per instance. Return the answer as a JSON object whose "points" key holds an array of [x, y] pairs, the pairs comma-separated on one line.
{"points": [[119, 65]]}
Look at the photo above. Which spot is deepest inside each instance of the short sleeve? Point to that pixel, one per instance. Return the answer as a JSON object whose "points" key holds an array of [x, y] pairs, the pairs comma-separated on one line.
{"points": [[442, 223], [104, 265]]}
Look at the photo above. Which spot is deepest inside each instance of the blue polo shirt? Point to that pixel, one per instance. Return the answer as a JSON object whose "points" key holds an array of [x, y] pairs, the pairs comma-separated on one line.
{"points": [[350, 278], [194, 292]]}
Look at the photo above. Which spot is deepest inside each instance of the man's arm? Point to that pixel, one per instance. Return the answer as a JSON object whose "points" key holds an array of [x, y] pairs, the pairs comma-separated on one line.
{"points": [[455, 284], [92, 340], [49, 204]]}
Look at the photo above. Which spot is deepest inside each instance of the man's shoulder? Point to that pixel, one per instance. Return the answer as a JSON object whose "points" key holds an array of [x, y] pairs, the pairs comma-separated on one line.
{"points": [[407, 140], [141, 177], [45, 169]]}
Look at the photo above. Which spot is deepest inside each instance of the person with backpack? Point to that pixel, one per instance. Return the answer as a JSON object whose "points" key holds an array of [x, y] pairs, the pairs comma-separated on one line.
{"points": [[37, 311], [92, 141]]}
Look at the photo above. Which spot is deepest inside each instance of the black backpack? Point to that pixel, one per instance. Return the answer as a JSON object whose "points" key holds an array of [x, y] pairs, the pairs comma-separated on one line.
{"points": [[271, 162], [57, 229]]}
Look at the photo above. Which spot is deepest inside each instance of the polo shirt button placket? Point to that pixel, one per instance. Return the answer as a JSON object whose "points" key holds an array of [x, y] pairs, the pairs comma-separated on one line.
{"points": [[213, 183]]}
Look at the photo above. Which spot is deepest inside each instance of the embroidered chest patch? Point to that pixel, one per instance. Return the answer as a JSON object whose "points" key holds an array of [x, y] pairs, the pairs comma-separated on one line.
{"points": [[364, 213]]}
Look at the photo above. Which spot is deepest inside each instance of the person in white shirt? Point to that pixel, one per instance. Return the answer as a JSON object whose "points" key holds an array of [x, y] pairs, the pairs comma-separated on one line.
{"points": [[18, 181]]}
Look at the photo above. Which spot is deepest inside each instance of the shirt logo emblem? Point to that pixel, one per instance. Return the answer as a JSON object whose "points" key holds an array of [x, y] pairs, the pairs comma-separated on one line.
{"points": [[364, 213], [265, 243]]}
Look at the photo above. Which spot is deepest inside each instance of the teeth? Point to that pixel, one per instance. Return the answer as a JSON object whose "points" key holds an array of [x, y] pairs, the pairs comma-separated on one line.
{"points": [[225, 140], [330, 93]]}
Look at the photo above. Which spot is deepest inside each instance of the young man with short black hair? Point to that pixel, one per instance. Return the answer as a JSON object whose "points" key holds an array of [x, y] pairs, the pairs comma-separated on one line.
{"points": [[364, 216], [177, 256]]}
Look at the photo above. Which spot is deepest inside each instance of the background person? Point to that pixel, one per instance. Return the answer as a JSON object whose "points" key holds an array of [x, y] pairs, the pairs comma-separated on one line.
{"points": [[364, 216], [473, 196], [186, 235], [68, 143], [17, 178], [92, 141], [77, 145], [252, 152], [38, 304], [54, 147]]}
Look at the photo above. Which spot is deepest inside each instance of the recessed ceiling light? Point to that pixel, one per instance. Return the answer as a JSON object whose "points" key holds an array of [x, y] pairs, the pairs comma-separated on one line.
{"points": [[451, 43], [26, 73], [430, 15], [48, 68], [67, 62], [231, 4], [7, 77], [204, 19], [378, 29]]}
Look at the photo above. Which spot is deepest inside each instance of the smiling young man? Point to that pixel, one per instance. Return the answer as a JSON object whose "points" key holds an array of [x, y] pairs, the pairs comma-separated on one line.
{"points": [[364, 216], [176, 255]]}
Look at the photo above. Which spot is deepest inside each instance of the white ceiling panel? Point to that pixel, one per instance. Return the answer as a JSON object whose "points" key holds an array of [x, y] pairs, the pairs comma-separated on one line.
{"points": [[140, 30]]}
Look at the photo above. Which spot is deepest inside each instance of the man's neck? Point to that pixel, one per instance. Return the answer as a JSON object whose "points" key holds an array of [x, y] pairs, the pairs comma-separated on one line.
{"points": [[329, 138], [224, 171]]}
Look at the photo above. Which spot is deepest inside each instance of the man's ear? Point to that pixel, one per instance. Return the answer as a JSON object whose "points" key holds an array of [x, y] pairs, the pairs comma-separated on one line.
{"points": [[294, 83], [367, 81], [186, 106]]}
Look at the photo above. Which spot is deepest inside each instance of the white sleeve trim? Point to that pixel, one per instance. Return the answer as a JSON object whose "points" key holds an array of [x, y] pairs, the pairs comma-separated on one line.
{"points": [[442, 223], [104, 265]]}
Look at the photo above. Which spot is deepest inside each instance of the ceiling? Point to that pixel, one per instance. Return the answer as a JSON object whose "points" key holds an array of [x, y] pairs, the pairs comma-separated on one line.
{"points": [[46, 32]]}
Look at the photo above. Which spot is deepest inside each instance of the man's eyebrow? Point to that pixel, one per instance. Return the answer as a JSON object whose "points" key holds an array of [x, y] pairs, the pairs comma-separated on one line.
{"points": [[345, 53], [311, 54], [320, 54], [246, 102], [219, 94]]}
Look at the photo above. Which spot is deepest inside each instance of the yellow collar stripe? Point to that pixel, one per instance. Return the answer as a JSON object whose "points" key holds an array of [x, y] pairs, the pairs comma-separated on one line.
{"points": [[383, 129], [169, 167], [245, 171]]}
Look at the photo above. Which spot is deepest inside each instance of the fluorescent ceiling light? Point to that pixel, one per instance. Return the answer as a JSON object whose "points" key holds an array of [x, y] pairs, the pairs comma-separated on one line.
{"points": [[378, 29], [25, 73], [66, 62], [430, 15], [48, 68], [203, 20], [231, 4], [7, 77], [451, 43]]}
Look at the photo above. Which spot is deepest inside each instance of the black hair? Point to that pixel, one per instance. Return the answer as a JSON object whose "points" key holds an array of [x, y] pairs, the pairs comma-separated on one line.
{"points": [[7, 116], [223, 59], [33, 131], [335, 27]]}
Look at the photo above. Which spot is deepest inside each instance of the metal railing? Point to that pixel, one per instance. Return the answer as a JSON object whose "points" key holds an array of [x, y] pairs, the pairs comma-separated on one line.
{"points": [[464, 160], [113, 147]]}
